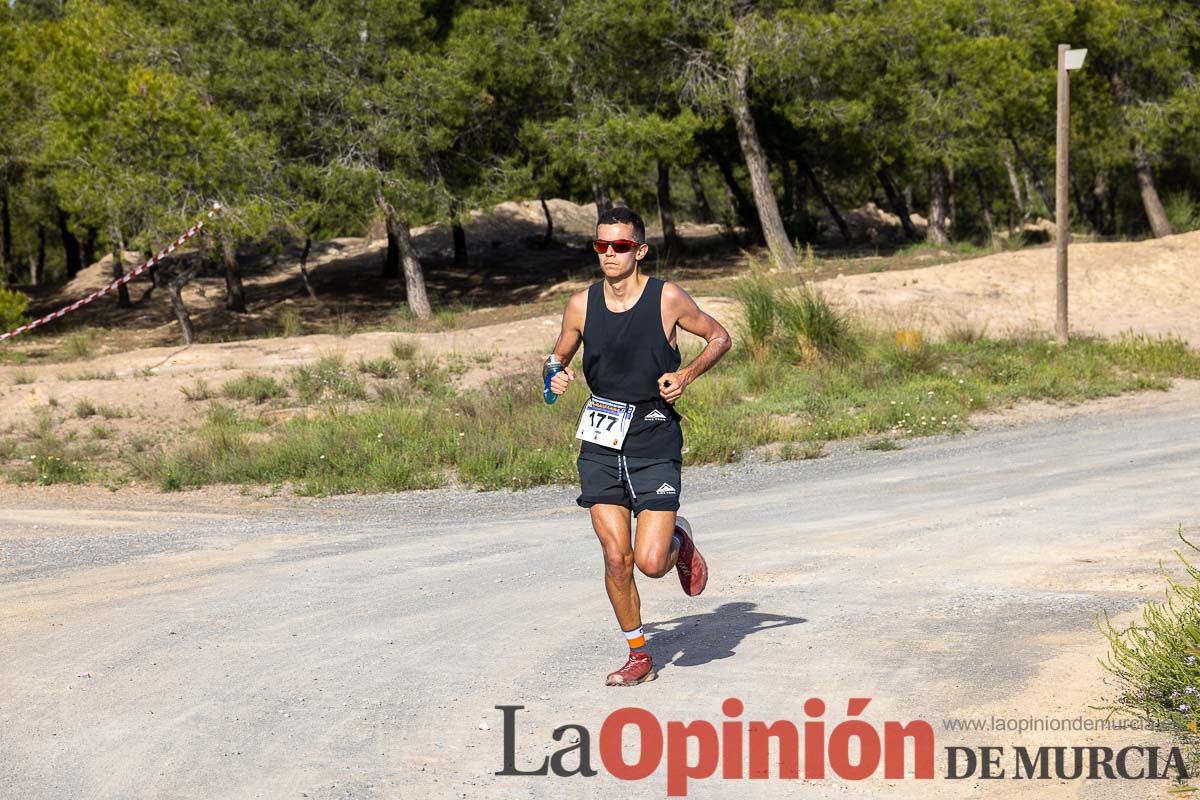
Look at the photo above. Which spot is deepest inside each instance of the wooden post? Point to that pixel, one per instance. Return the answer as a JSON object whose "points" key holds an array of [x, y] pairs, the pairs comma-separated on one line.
{"points": [[1062, 211]]}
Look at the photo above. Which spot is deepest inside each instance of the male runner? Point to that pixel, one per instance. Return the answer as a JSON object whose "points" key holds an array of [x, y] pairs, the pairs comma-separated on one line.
{"points": [[627, 324]]}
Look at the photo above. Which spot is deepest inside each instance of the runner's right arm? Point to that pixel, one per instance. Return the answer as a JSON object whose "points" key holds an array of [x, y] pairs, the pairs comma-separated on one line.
{"points": [[569, 339]]}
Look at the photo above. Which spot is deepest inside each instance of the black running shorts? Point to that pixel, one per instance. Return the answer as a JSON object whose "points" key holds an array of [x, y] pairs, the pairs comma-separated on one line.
{"points": [[635, 483]]}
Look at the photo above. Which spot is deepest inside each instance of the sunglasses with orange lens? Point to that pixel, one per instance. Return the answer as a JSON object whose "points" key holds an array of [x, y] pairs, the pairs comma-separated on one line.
{"points": [[618, 245]]}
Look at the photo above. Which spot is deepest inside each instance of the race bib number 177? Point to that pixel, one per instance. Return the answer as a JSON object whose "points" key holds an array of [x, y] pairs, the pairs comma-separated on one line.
{"points": [[604, 422]]}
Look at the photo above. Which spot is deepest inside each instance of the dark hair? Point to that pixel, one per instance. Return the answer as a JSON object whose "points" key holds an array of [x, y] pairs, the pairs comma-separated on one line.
{"points": [[618, 215]]}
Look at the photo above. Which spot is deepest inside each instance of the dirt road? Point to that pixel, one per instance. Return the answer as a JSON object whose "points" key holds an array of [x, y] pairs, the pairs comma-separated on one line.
{"points": [[211, 645]]}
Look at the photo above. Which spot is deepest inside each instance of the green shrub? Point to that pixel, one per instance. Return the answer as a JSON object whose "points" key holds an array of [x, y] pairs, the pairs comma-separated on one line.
{"points": [[964, 332], [802, 451], [50, 459], [327, 379], [808, 316], [344, 324], [427, 376], [85, 408], [1182, 212], [139, 442], [13, 305], [1163, 354], [288, 322], [1156, 661], [403, 350], [258, 388], [757, 294], [197, 391], [111, 412], [80, 343], [90, 375], [382, 367]]}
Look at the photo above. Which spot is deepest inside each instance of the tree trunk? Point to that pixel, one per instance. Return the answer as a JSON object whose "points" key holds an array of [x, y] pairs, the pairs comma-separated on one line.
{"points": [[235, 293], [407, 255], [89, 246], [742, 206], [936, 232], [843, 226], [308, 287], [1078, 194], [460, 244], [1040, 183], [985, 207], [673, 247], [800, 199], [1160, 226], [70, 243], [1015, 183], [6, 253], [896, 201], [951, 205], [459, 235], [800, 195], [549, 237], [414, 278], [155, 276], [174, 290], [1030, 193], [603, 201], [703, 209], [789, 186], [760, 177], [1038, 180], [37, 263], [156, 279], [1097, 205], [118, 269], [391, 260]]}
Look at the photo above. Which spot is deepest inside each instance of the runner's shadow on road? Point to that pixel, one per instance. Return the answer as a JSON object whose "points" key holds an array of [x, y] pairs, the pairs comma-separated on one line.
{"points": [[702, 638]]}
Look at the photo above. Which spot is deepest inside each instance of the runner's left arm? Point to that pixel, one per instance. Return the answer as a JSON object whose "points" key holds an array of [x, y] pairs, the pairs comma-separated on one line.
{"points": [[688, 316]]}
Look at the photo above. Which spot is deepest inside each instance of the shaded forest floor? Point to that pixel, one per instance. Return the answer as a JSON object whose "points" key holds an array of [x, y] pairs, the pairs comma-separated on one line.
{"points": [[510, 275]]}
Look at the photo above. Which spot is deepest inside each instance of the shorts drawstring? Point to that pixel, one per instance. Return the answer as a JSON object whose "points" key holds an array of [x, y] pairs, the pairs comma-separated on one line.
{"points": [[623, 469]]}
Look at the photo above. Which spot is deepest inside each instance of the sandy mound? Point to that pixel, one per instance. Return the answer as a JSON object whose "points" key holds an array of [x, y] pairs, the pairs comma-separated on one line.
{"points": [[867, 223], [1143, 286]]}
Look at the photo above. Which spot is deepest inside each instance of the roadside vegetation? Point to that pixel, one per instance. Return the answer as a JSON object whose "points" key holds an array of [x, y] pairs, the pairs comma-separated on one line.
{"points": [[1156, 659], [802, 373]]}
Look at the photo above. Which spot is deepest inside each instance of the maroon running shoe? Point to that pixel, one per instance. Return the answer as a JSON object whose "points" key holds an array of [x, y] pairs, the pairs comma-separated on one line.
{"points": [[638, 669], [690, 566]]}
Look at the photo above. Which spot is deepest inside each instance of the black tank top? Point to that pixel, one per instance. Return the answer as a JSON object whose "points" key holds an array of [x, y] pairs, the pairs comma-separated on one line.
{"points": [[623, 356]]}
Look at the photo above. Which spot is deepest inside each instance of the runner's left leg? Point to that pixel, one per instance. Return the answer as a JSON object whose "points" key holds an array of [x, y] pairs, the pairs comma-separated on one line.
{"points": [[656, 548]]}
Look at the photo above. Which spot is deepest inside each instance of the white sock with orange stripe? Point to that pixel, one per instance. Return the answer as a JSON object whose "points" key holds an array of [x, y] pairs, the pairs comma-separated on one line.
{"points": [[636, 639]]}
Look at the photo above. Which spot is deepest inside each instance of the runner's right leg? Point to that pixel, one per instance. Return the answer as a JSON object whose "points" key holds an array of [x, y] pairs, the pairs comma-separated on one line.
{"points": [[613, 529], [612, 526]]}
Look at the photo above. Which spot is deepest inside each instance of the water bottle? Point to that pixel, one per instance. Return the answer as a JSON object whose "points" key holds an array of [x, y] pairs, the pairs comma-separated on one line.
{"points": [[552, 368]]}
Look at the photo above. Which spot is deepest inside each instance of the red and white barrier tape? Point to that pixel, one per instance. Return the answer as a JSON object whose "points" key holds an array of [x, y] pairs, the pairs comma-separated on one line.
{"points": [[126, 278]]}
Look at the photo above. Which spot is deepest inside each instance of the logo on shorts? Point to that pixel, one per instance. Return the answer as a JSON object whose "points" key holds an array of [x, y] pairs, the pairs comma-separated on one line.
{"points": [[666, 488], [656, 416]]}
